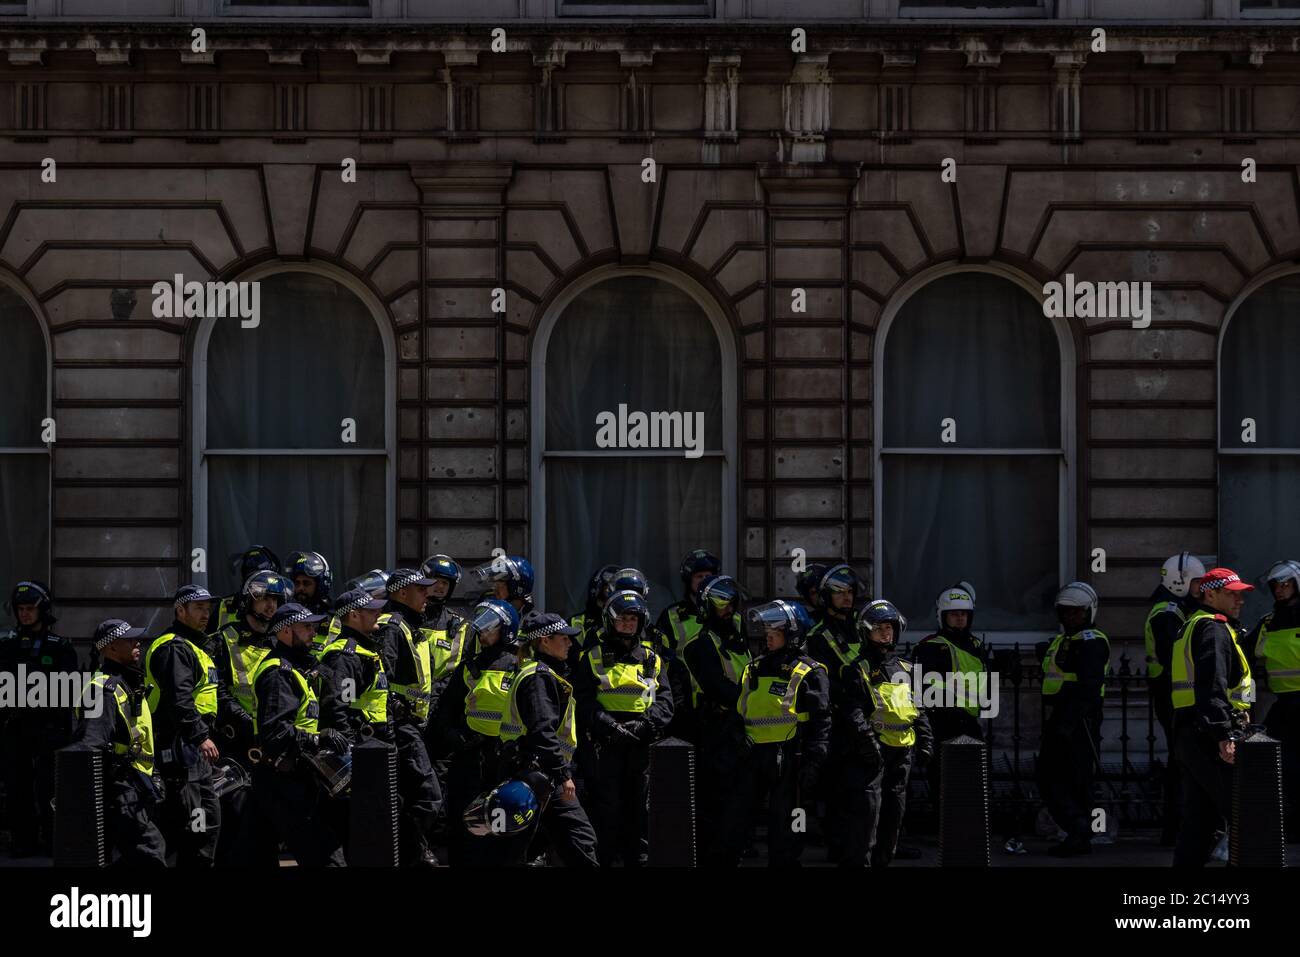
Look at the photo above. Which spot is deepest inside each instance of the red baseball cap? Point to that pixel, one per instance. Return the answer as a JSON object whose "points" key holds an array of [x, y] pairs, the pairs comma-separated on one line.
{"points": [[1224, 578]]}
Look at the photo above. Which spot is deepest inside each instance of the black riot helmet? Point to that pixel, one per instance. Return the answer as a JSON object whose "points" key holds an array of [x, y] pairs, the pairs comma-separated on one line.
{"points": [[626, 603], [839, 578], [697, 561], [312, 565], [808, 583], [877, 613], [719, 598], [33, 592]]}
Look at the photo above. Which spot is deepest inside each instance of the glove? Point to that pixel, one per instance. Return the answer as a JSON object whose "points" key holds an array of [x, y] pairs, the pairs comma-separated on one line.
{"points": [[625, 733], [642, 730], [331, 739], [308, 743], [923, 756], [808, 779]]}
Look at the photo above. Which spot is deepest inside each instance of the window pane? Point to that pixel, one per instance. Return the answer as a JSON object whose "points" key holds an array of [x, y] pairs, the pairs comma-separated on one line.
{"points": [[646, 513], [1255, 372], [24, 381], [977, 349], [991, 521], [315, 359], [1259, 511], [632, 340], [24, 518], [330, 504]]}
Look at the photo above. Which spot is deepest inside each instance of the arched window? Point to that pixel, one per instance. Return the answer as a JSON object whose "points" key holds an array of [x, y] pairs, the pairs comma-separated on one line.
{"points": [[24, 458], [648, 345], [1259, 436], [973, 476], [293, 429]]}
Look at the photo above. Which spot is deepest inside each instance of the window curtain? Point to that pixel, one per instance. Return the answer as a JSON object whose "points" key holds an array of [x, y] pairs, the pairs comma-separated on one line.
{"points": [[25, 476], [1259, 507], [647, 344], [315, 359], [976, 349]]}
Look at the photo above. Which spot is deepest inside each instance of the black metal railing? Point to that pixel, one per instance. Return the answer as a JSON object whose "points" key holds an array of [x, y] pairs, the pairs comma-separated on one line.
{"points": [[1131, 752]]}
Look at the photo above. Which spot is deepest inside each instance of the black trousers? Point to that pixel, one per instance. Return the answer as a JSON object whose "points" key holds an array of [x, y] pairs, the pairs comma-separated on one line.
{"points": [[131, 822], [567, 832], [300, 814], [859, 782], [765, 771], [191, 814], [1163, 706], [716, 756], [618, 786], [1065, 772], [28, 758], [1207, 796], [891, 784], [417, 786]]}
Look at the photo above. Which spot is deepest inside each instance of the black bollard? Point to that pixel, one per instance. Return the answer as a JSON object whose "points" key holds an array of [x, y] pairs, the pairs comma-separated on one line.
{"points": [[964, 803], [1257, 838], [672, 804], [79, 838], [372, 822]]}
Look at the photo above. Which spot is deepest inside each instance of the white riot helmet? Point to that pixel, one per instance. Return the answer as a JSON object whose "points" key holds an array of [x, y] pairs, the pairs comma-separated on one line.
{"points": [[959, 597], [1079, 595], [1283, 570], [1176, 573]]}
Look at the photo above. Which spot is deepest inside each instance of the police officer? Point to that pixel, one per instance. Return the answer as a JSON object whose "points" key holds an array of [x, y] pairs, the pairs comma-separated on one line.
{"points": [[32, 735], [313, 584], [407, 663], [716, 657], [443, 628], [808, 585], [238, 648], [1212, 692], [508, 578], [624, 704], [891, 731], [374, 582], [354, 687], [954, 650], [834, 642], [785, 710], [1274, 647], [596, 594], [834, 638], [257, 558], [681, 621], [467, 724], [1075, 666], [539, 737], [183, 699], [288, 730], [1175, 598], [115, 718]]}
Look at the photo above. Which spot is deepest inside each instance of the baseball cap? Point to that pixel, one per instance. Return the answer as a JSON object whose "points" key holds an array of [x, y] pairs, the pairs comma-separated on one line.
{"points": [[402, 577], [291, 614], [1223, 578], [354, 599], [188, 593], [113, 629], [540, 624]]}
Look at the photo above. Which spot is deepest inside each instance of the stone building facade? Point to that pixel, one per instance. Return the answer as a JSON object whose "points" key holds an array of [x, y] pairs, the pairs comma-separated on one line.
{"points": [[777, 176]]}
